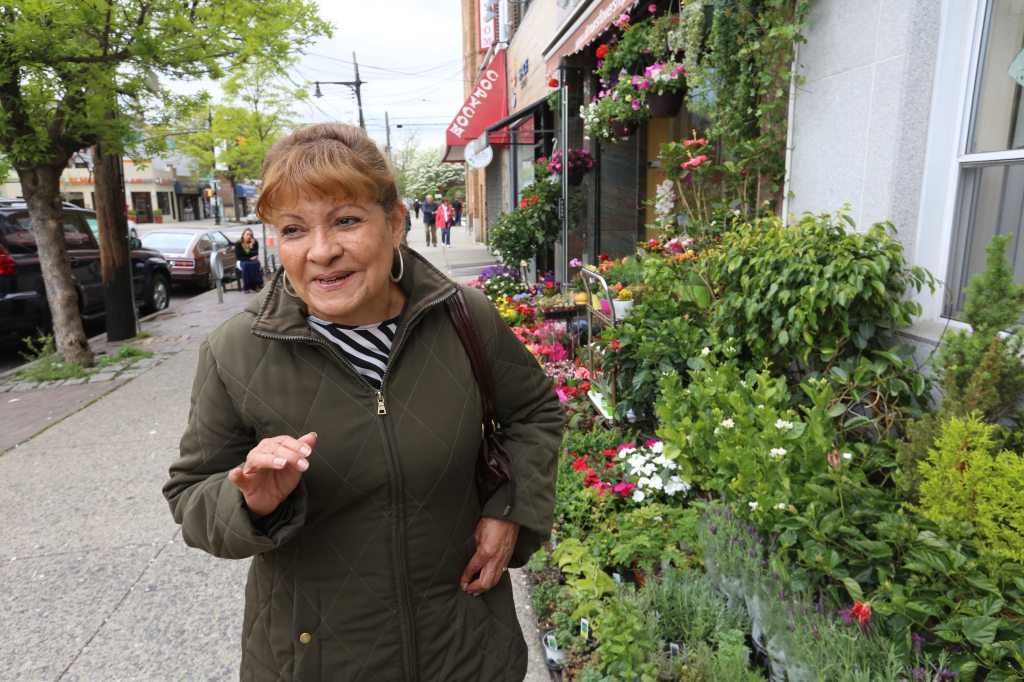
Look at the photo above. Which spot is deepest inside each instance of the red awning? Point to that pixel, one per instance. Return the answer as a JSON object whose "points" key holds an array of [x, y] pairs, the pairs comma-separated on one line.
{"points": [[486, 104], [586, 28]]}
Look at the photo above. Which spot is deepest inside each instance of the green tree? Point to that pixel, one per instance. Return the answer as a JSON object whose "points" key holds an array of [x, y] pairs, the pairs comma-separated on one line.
{"points": [[76, 74], [427, 174]]}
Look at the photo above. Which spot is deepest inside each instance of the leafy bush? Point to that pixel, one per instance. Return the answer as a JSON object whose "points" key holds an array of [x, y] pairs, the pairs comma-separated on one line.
{"points": [[808, 295], [964, 483]]}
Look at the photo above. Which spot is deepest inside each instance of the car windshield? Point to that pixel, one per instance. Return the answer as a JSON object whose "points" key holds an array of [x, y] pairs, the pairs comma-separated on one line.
{"points": [[167, 241]]}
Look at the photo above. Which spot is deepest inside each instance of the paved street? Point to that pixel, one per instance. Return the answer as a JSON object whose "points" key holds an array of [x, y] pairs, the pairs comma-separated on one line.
{"points": [[95, 582]]}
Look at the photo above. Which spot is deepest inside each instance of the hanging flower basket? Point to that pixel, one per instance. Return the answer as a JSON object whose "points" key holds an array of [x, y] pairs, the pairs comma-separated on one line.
{"points": [[575, 176], [666, 105], [622, 128]]}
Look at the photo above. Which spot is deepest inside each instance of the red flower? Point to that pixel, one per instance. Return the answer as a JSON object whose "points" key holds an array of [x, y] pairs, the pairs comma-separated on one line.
{"points": [[861, 611], [601, 52], [743, 172], [553, 83], [522, 204], [614, 345], [675, 20], [533, 199], [549, 285], [580, 464]]}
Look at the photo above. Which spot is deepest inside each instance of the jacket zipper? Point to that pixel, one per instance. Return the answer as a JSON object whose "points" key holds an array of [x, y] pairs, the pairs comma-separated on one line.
{"points": [[404, 602]]}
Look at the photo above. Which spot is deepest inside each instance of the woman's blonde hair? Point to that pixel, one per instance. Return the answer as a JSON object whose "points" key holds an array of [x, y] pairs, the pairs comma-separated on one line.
{"points": [[328, 160]]}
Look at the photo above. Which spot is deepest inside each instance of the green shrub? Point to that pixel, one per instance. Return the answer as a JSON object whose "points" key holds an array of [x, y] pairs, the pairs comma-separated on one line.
{"points": [[45, 364], [807, 295], [962, 482]]}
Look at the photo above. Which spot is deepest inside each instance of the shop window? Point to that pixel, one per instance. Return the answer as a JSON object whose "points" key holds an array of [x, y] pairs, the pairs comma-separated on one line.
{"points": [[990, 192]]}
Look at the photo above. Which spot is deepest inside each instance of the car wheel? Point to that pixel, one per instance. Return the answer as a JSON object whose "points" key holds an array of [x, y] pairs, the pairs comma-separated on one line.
{"points": [[159, 294], [211, 280]]}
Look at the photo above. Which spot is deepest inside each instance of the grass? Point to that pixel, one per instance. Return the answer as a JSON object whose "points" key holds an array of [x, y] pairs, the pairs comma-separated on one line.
{"points": [[45, 363]]}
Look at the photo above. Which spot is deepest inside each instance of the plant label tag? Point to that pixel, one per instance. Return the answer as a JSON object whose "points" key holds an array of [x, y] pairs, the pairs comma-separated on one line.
{"points": [[617, 578], [673, 649], [584, 628]]}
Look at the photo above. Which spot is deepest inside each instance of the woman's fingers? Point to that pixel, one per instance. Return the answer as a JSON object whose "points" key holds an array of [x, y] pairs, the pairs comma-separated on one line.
{"points": [[279, 452], [495, 540]]}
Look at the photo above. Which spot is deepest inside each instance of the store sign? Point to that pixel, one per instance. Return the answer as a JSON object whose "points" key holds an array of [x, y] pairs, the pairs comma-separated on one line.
{"points": [[484, 106], [487, 14]]}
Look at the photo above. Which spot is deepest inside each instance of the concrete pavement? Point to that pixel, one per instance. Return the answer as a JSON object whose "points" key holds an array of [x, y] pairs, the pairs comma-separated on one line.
{"points": [[95, 582]]}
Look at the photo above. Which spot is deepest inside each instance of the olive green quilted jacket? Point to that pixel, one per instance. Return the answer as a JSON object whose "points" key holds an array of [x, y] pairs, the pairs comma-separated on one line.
{"points": [[356, 575]]}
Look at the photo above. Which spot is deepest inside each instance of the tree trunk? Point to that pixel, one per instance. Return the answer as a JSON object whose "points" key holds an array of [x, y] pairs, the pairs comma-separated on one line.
{"points": [[41, 185], [115, 260]]}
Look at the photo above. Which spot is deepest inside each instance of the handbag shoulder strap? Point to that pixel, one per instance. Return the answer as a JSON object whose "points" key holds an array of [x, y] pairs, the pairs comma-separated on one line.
{"points": [[470, 338]]}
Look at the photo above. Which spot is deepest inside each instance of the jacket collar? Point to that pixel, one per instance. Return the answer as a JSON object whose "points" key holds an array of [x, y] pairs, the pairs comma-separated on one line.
{"points": [[278, 313]]}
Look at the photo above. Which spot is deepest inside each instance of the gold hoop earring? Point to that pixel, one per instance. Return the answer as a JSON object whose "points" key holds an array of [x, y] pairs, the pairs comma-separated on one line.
{"points": [[401, 268], [287, 286]]}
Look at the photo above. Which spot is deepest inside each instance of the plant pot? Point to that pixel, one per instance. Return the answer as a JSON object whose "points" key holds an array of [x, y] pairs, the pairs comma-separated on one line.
{"points": [[606, 307], [554, 658], [575, 177], [666, 105], [622, 128], [580, 298], [158, 219], [622, 308]]}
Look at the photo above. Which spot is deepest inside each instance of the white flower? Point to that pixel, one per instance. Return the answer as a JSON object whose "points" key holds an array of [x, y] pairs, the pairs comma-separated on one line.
{"points": [[728, 423], [661, 460], [705, 351], [675, 485], [657, 447], [752, 505], [649, 468], [781, 505], [716, 431], [638, 495], [743, 383], [656, 482], [783, 425], [778, 453], [847, 456]]}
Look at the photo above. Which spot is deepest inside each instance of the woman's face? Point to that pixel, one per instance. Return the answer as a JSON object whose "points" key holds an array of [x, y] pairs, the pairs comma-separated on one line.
{"points": [[247, 236], [338, 255]]}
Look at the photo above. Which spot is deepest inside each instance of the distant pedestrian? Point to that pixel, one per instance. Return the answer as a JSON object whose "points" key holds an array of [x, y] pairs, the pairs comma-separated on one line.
{"points": [[416, 207], [408, 228], [443, 221], [429, 209], [457, 205]]}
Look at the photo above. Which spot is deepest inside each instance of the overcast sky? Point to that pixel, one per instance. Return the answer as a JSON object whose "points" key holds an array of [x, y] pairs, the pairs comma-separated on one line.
{"points": [[409, 54]]}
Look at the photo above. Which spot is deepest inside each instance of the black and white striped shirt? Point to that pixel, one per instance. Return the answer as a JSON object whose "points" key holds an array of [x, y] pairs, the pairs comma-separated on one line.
{"points": [[366, 347]]}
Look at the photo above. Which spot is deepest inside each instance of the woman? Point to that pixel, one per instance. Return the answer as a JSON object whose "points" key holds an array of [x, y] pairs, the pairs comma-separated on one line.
{"points": [[333, 435], [247, 251], [442, 221]]}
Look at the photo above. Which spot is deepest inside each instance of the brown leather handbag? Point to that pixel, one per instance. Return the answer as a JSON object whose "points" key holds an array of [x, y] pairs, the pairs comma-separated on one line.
{"points": [[493, 466]]}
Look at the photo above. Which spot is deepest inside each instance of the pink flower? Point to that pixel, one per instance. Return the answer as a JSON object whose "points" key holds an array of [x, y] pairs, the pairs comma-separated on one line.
{"points": [[562, 397], [652, 442], [687, 143], [652, 8]]}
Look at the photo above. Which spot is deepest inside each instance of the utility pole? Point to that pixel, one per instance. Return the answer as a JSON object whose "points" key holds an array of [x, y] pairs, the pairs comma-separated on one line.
{"points": [[215, 199], [359, 96], [387, 128], [356, 86]]}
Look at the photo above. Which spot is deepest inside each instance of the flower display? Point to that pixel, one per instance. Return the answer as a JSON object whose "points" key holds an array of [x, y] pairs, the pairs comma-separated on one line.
{"points": [[654, 474], [571, 160], [664, 78]]}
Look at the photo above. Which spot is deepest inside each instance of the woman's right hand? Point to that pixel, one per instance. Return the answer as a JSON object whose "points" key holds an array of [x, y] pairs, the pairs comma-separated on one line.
{"points": [[272, 471]]}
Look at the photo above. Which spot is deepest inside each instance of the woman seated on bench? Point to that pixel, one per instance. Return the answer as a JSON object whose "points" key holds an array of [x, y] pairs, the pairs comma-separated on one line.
{"points": [[247, 250]]}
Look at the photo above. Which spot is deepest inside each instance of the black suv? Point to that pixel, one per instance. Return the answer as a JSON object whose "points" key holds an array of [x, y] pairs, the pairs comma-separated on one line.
{"points": [[23, 307]]}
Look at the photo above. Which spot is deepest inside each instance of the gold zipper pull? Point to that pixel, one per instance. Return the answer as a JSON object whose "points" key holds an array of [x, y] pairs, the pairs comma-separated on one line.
{"points": [[380, 404]]}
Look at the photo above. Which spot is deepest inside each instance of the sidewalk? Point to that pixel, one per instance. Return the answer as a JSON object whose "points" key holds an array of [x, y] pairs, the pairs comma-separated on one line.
{"points": [[95, 582]]}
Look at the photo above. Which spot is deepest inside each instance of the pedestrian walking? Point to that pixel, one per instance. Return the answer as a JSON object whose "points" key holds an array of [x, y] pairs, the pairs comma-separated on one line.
{"points": [[416, 207], [322, 440], [457, 206], [429, 209], [444, 222]]}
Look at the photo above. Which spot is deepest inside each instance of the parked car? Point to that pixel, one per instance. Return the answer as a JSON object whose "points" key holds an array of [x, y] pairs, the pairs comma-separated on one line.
{"points": [[251, 218], [189, 249], [23, 306]]}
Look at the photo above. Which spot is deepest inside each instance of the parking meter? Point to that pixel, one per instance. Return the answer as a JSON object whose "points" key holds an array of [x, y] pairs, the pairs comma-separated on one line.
{"points": [[217, 270]]}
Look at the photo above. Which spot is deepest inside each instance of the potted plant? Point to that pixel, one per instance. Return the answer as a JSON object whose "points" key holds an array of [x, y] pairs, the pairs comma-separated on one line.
{"points": [[665, 86], [623, 302], [615, 112], [574, 163], [158, 215]]}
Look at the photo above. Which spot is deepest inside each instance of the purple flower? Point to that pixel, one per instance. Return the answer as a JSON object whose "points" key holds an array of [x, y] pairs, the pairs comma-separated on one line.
{"points": [[636, 105], [918, 640], [945, 674], [917, 673], [847, 615]]}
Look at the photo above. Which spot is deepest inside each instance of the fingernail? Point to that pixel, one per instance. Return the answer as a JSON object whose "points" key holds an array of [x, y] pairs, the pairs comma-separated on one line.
{"points": [[280, 462], [305, 449], [302, 464]]}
